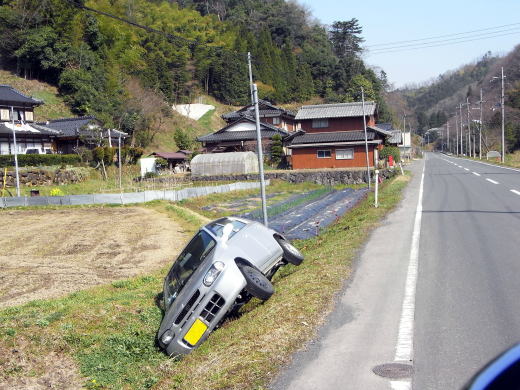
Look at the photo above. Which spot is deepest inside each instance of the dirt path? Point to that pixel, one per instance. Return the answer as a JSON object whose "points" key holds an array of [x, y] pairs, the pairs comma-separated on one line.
{"points": [[49, 253]]}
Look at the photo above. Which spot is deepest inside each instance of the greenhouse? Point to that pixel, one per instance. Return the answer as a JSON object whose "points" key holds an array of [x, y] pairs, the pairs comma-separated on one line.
{"points": [[224, 164]]}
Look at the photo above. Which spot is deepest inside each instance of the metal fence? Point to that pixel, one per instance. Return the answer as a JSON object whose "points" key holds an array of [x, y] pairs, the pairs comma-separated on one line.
{"points": [[125, 197]]}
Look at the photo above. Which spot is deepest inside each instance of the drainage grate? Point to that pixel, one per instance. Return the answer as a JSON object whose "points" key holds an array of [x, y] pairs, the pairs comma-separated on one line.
{"points": [[394, 370]]}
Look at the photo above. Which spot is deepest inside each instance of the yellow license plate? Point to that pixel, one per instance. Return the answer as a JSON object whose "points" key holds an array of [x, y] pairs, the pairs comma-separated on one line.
{"points": [[196, 332]]}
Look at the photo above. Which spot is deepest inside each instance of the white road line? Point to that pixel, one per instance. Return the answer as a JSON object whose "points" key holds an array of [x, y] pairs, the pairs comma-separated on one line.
{"points": [[494, 165], [476, 174], [515, 192], [492, 181], [466, 169], [404, 347]]}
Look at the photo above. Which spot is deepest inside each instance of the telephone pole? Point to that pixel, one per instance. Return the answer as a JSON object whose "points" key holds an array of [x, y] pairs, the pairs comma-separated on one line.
{"points": [[471, 152], [502, 77], [461, 131], [448, 135], [480, 127], [457, 133]]}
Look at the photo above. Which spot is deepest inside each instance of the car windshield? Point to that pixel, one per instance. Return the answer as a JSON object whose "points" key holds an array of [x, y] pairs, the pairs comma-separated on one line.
{"points": [[187, 262], [217, 226]]}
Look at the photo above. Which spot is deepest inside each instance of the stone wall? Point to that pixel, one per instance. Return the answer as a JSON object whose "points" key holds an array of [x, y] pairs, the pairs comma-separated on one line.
{"points": [[324, 177], [41, 177]]}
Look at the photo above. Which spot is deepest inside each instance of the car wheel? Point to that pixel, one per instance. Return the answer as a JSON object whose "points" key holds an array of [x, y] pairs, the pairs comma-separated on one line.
{"points": [[290, 253], [257, 284]]}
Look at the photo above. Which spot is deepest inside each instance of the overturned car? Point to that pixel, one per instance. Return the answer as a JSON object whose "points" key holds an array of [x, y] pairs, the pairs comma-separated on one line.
{"points": [[225, 264]]}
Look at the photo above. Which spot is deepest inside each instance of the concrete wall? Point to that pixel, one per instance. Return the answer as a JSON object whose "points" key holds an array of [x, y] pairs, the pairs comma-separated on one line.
{"points": [[325, 177]]}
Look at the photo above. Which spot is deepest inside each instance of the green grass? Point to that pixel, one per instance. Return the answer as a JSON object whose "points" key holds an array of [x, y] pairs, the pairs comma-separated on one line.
{"points": [[206, 120], [110, 330]]}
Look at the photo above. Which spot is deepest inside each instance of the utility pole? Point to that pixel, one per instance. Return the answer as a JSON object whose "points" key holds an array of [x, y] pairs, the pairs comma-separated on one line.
{"points": [[469, 130], [457, 134], [250, 77], [502, 77], [366, 138], [448, 135], [480, 128], [461, 131], [15, 154], [260, 154]]}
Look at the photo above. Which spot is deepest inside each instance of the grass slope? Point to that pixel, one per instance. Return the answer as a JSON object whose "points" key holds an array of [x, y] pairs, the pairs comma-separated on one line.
{"points": [[54, 107], [110, 330]]}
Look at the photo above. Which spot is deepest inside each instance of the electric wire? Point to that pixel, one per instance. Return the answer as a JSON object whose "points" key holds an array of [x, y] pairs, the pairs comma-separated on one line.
{"points": [[443, 36], [439, 45], [481, 35]]}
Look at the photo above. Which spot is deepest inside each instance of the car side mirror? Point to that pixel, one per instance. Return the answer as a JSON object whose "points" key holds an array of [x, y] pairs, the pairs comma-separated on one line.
{"points": [[501, 373], [226, 232]]}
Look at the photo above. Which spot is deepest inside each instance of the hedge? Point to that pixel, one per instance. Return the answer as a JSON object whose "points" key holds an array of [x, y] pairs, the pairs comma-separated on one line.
{"points": [[390, 151], [35, 160]]}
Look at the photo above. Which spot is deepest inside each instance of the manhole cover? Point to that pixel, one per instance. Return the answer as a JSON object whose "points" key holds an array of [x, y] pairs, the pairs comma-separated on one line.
{"points": [[394, 370]]}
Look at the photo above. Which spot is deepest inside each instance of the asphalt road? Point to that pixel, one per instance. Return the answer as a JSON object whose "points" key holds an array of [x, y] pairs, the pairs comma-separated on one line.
{"points": [[468, 288], [436, 287]]}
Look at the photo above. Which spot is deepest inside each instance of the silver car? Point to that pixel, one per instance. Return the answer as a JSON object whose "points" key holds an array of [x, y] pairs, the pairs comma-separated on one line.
{"points": [[225, 264]]}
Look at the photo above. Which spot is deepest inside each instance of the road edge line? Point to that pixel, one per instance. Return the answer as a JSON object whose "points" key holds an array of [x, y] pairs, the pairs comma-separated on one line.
{"points": [[404, 346]]}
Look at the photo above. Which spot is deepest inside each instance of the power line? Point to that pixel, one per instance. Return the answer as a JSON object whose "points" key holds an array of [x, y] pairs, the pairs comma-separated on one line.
{"points": [[420, 44], [443, 36], [440, 45]]}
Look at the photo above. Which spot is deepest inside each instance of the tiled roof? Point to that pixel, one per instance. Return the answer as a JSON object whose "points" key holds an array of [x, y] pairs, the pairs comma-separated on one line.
{"points": [[395, 138], [170, 155], [379, 130], [385, 126], [10, 95], [247, 135], [27, 129], [336, 110], [265, 109], [69, 126], [331, 137]]}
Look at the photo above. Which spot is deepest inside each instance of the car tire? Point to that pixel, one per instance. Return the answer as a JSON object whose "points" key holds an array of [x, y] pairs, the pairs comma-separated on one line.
{"points": [[290, 253], [256, 283]]}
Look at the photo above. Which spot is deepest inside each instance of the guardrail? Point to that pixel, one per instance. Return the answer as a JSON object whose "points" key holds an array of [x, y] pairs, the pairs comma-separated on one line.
{"points": [[125, 197]]}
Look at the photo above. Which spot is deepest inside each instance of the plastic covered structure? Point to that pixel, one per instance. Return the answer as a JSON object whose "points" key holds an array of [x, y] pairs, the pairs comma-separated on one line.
{"points": [[224, 164]]}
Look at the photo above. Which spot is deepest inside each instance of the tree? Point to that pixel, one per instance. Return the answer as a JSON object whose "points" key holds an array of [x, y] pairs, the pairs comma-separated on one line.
{"points": [[276, 149], [345, 38], [182, 139]]}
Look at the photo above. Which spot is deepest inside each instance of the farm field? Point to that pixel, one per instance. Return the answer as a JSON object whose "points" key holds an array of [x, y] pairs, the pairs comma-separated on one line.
{"points": [[47, 253]]}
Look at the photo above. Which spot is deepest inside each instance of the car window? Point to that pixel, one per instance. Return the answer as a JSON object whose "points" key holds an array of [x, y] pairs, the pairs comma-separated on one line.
{"points": [[217, 227], [188, 261]]}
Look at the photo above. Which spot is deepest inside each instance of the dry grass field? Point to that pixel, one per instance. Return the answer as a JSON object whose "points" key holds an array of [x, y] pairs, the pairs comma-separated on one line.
{"points": [[48, 253]]}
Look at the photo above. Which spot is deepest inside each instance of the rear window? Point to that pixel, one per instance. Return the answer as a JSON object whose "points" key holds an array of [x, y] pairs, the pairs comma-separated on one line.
{"points": [[217, 226]]}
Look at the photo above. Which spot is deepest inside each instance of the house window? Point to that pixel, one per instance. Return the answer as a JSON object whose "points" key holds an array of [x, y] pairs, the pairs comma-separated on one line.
{"points": [[29, 117], [4, 114], [320, 123], [276, 121], [345, 154], [323, 153]]}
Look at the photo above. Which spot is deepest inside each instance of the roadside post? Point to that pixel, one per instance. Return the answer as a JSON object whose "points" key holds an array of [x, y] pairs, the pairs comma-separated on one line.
{"points": [[377, 188], [401, 166]]}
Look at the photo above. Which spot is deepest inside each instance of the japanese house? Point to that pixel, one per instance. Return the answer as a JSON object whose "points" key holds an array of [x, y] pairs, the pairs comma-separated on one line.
{"points": [[240, 136], [332, 136]]}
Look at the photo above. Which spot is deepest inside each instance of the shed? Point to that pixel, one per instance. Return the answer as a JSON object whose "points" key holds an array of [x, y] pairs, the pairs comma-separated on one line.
{"points": [[224, 164]]}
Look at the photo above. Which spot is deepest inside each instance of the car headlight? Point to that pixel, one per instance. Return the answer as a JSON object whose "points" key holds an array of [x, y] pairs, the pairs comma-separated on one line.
{"points": [[167, 337], [213, 273]]}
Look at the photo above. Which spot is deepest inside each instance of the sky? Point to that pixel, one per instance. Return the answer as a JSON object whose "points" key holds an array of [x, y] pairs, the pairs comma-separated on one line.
{"points": [[388, 21]]}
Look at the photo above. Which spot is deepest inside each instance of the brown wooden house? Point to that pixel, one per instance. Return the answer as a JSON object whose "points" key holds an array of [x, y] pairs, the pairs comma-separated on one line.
{"points": [[332, 136]]}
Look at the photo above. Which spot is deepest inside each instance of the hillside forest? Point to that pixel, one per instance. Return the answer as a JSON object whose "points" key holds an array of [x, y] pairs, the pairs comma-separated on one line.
{"points": [[435, 103], [130, 64]]}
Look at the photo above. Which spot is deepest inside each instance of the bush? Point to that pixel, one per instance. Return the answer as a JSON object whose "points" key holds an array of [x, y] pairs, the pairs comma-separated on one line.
{"points": [[390, 151], [56, 192], [36, 160], [150, 175]]}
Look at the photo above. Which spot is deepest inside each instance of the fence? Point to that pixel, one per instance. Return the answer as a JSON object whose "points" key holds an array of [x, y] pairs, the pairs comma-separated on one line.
{"points": [[125, 197]]}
